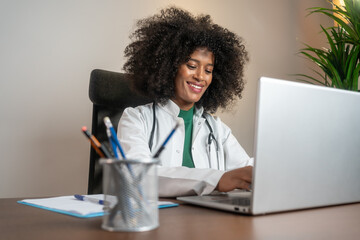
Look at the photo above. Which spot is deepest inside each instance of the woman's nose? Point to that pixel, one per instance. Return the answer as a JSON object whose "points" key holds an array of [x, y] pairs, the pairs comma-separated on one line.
{"points": [[199, 75]]}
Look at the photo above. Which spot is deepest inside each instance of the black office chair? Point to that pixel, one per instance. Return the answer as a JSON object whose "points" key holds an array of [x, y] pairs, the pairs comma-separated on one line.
{"points": [[110, 93]]}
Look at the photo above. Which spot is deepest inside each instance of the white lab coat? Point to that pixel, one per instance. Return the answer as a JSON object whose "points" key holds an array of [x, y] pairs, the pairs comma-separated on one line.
{"points": [[174, 180]]}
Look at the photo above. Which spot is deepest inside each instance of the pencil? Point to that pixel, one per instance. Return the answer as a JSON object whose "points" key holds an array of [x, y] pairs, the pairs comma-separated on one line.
{"points": [[99, 148]]}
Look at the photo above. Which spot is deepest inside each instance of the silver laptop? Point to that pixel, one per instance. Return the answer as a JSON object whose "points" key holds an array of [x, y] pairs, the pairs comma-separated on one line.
{"points": [[307, 151]]}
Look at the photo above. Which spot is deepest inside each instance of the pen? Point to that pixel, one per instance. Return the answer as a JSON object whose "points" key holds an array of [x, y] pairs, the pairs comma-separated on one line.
{"points": [[88, 199], [99, 148], [112, 144], [113, 136], [166, 140]]}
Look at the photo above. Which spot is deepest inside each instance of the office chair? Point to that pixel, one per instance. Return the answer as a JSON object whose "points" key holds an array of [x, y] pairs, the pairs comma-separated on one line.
{"points": [[110, 93]]}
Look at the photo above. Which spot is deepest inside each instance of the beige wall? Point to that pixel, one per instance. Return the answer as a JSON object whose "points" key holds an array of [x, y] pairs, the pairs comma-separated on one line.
{"points": [[48, 48]]}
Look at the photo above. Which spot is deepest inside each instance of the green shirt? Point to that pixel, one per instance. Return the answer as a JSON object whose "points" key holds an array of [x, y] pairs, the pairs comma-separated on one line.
{"points": [[188, 120]]}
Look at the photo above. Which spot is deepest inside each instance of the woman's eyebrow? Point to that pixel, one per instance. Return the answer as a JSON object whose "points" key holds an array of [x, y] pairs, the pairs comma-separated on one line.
{"points": [[195, 60]]}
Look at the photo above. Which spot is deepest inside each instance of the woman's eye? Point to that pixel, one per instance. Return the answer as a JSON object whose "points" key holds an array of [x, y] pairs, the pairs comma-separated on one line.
{"points": [[208, 71], [191, 66]]}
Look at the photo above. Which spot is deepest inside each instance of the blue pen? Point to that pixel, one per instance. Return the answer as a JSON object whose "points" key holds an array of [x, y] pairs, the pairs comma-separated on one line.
{"points": [[113, 137], [88, 199], [113, 145], [166, 140]]}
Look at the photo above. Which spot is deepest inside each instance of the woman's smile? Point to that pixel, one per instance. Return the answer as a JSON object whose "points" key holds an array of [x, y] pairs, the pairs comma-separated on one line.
{"points": [[196, 87]]}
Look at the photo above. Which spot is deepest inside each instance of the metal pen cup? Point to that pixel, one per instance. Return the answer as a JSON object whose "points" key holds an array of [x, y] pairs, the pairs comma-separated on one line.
{"points": [[130, 195]]}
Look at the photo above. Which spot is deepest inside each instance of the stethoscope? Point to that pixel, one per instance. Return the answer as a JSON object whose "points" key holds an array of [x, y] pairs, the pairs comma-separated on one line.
{"points": [[211, 140]]}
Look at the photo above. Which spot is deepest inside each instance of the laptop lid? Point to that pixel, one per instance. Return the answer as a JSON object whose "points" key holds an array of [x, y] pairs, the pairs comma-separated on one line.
{"points": [[307, 147]]}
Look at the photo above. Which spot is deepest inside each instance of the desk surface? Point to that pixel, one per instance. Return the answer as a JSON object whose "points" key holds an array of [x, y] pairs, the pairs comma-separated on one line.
{"points": [[185, 222]]}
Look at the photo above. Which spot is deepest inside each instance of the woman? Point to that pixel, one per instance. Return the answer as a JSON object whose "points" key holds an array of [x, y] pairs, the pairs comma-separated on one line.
{"points": [[190, 67]]}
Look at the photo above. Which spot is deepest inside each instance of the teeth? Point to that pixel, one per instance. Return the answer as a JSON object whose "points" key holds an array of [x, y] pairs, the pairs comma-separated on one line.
{"points": [[195, 86]]}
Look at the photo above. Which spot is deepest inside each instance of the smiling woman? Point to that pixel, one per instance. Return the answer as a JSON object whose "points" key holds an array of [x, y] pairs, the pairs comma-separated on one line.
{"points": [[190, 67]]}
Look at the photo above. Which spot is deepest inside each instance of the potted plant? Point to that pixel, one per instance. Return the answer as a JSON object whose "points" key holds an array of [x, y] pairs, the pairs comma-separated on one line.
{"points": [[340, 63]]}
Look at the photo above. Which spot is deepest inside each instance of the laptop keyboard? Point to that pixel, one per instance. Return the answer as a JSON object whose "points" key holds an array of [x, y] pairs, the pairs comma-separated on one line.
{"points": [[241, 201]]}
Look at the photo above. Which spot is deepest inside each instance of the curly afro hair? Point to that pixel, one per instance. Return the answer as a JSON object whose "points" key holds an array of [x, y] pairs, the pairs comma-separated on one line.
{"points": [[164, 41]]}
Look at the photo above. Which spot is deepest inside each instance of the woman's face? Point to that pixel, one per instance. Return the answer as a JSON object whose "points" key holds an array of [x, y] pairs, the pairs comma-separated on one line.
{"points": [[193, 78]]}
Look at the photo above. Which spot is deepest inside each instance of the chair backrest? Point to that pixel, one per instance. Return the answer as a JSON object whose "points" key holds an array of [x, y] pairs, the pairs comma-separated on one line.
{"points": [[110, 94]]}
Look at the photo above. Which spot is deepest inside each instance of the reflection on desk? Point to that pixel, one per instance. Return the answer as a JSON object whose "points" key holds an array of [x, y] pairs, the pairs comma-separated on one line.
{"points": [[18, 221]]}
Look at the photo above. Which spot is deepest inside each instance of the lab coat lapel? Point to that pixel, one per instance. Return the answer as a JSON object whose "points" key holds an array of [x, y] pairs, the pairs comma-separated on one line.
{"points": [[198, 121]]}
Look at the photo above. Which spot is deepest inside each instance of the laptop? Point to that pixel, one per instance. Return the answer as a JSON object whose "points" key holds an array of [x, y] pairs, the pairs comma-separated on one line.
{"points": [[307, 151]]}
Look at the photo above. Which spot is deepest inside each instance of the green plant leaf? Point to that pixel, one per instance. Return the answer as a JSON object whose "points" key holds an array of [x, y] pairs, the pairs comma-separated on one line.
{"points": [[355, 80], [309, 77], [340, 63]]}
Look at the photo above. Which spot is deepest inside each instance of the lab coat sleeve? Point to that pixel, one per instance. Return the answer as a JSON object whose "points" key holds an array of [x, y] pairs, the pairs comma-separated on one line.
{"points": [[234, 154], [182, 181]]}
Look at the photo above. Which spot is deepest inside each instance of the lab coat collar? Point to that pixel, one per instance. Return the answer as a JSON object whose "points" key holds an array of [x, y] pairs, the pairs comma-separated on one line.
{"points": [[173, 109]]}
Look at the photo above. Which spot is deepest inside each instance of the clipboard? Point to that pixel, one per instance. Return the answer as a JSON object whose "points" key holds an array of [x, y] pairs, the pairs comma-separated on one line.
{"points": [[71, 206]]}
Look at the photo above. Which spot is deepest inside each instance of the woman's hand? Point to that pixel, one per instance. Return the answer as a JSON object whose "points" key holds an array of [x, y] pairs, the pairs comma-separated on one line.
{"points": [[237, 178]]}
